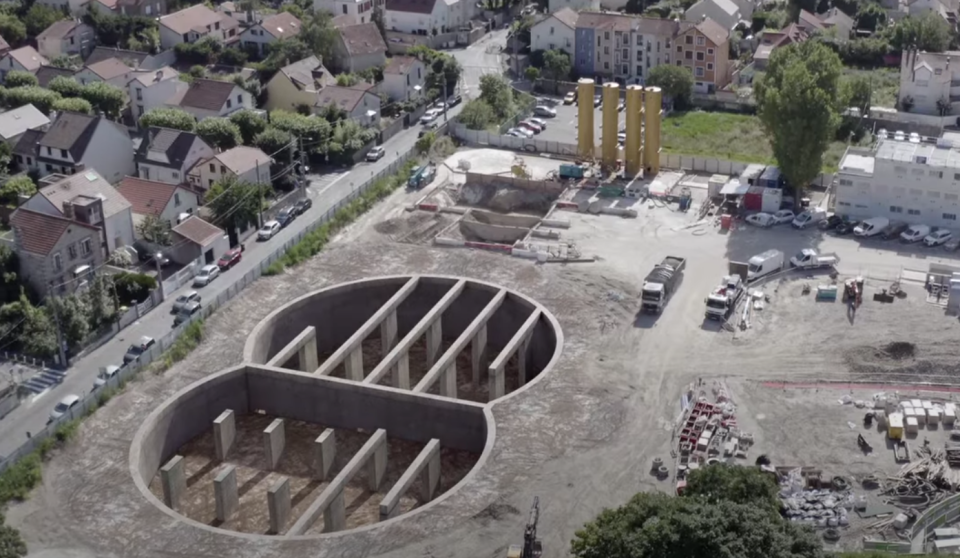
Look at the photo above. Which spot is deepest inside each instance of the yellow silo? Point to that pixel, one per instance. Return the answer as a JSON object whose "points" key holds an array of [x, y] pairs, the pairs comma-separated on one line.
{"points": [[611, 121], [634, 110], [651, 132], [585, 145]]}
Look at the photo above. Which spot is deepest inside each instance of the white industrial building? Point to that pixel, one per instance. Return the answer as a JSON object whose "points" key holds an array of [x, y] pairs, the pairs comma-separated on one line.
{"points": [[917, 183]]}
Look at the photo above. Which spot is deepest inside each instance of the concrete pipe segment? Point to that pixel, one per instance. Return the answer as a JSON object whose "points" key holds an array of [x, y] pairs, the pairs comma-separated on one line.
{"points": [[304, 363]]}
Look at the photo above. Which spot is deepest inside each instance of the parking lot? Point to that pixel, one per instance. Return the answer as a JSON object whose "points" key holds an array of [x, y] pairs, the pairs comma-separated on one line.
{"points": [[564, 127]]}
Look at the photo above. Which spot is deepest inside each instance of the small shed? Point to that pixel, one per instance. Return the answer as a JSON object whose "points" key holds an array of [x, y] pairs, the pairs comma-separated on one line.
{"points": [[771, 178], [751, 175], [196, 241]]}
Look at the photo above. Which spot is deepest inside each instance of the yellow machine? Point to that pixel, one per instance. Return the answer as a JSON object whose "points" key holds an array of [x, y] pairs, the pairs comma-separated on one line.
{"points": [[652, 100], [895, 426], [611, 121], [532, 547], [585, 144], [632, 147]]}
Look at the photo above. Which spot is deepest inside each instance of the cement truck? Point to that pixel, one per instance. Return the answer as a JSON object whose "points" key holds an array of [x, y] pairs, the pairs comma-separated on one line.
{"points": [[660, 284]]}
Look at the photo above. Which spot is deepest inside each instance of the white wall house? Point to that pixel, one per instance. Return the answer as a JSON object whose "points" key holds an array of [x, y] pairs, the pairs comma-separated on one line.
{"points": [[930, 82], [916, 183], [208, 97], [112, 71], [150, 90], [247, 164], [76, 142], [168, 155], [555, 32], [271, 29], [404, 78], [422, 17], [725, 12], [167, 202], [25, 59], [66, 38], [191, 24], [575, 5], [360, 10]]}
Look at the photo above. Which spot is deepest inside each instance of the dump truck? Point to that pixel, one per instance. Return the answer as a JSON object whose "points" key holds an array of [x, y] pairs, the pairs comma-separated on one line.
{"points": [[660, 284], [724, 298], [811, 259]]}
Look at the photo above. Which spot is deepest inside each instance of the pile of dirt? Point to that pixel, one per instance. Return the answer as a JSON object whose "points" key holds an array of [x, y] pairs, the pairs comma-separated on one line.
{"points": [[901, 361], [417, 228], [899, 350], [504, 199]]}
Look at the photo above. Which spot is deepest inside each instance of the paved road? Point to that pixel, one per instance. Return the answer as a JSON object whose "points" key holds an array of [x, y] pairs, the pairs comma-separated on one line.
{"points": [[325, 191]]}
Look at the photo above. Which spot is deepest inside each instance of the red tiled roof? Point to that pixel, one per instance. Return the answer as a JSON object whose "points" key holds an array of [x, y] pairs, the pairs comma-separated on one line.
{"points": [[39, 232], [146, 196]]}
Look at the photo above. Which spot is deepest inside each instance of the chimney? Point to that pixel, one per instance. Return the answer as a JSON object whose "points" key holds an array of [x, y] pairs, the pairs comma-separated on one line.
{"points": [[68, 210]]}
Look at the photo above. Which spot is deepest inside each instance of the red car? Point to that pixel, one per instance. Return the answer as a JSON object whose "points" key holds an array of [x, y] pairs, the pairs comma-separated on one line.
{"points": [[230, 258]]}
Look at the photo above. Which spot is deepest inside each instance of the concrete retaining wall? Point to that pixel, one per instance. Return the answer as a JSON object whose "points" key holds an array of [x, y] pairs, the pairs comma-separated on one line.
{"points": [[492, 233], [544, 186]]}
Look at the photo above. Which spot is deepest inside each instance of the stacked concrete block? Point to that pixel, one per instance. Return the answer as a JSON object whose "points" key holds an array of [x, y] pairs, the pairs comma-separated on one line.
{"points": [[224, 434], [173, 479], [278, 504], [274, 441], [226, 494]]}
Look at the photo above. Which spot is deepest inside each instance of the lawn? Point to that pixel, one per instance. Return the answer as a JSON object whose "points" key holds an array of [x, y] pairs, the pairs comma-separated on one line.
{"points": [[723, 135], [885, 82]]}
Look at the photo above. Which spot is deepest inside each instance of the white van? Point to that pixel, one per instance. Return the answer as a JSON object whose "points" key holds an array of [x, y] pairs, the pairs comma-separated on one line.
{"points": [[871, 227], [809, 217], [765, 263]]}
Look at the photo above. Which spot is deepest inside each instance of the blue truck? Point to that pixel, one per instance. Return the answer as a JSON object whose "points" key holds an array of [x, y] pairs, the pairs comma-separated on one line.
{"points": [[421, 177]]}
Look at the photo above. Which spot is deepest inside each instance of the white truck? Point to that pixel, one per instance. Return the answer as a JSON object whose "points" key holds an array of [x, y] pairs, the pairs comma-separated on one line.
{"points": [[724, 298], [811, 259], [871, 227], [764, 263], [809, 218]]}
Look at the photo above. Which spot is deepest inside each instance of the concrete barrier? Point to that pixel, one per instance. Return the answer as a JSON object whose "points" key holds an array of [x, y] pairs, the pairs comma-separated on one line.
{"points": [[488, 246], [428, 207], [448, 242], [556, 223]]}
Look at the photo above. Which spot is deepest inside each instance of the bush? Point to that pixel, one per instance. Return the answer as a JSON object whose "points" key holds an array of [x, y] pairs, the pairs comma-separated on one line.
{"points": [[133, 288], [181, 348]]}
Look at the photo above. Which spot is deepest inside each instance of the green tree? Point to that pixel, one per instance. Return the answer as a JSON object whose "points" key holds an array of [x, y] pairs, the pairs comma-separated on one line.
{"points": [[19, 78], [205, 51], [117, 30], [37, 331], [857, 92], [676, 82], [154, 229], [12, 29], [104, 97], [285, 52], [477, 115], [426, 142], [531, 73], [275, 141], [72, 313], [556, 65], [66, 86], [73, 105], [39, 17], [101, 301], [11, 284], [234, 204], [797, 101], [347, 138], [168, 118], [16, 186], [316, 131], [497, 93], [347, 80], [928, 32], [42, 99], [219, 133], [733, 483], [871, 16], [11, 543], [319, 35], [63, 61], [654, 525], [250, 124], [233, 57]]}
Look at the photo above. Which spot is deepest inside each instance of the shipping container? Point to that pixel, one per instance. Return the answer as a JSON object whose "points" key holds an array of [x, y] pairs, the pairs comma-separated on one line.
{"points": [[771, 178], [751, 174], [772, 198], [753, 199]]}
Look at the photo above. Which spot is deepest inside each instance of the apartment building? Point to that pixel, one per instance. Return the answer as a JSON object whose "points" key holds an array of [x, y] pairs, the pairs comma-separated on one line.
{"points": [[918, 183], [622, 47], [705, 49], [930, 82]]}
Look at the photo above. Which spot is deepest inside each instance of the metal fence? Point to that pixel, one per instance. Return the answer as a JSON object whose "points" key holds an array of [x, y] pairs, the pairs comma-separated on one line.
{"points": [[92, 399]]}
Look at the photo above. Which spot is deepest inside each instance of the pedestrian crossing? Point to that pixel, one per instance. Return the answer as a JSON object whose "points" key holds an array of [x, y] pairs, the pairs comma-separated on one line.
{"points": [[44, 380]]}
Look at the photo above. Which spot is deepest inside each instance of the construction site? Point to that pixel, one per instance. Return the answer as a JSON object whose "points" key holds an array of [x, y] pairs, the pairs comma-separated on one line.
{"points": [[413, 389]]}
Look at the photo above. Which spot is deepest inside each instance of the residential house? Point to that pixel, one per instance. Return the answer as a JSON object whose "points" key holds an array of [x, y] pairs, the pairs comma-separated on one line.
{"points": [[622, 47], [15, 122], [47, 73], [271, 29], [575, 5], [359, 47], [208, 97], [360, 102], [25, 59], [725, 12], [106, 7], [170, 203], [191, 24], [70, 37], [245, 17], [947, 9], [87, 197], [930, 82], [152, 89], [75, 8], [132, 58], [142, 8], [197, 241], [25, 150], [76, 142], [57, 255], [556, 31], [168, 155], [298, 84], [705, 49], [360, 11], [809, 23], [841, 23], [111, 70], [403, 78], [246, 164], [772, 40], [747, 7], [426, 17], [4, 46]]}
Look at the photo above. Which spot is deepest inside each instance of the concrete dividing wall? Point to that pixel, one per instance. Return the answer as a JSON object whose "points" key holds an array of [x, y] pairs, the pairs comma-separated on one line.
{"points": [[274, 441], [489, 218], [224, 433], [472, 230], [544, 186], [173, 480]]}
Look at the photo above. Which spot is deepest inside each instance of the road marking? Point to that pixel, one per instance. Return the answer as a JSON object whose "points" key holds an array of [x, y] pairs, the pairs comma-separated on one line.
{"points": [[331, 184]]}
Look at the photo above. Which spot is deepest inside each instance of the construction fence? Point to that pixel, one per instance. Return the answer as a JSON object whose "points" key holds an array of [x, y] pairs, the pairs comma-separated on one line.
{"points": [[91, 400]]}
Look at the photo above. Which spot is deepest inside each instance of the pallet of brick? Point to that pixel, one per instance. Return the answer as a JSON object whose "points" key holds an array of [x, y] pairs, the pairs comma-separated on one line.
{"points": [[911, 425]]}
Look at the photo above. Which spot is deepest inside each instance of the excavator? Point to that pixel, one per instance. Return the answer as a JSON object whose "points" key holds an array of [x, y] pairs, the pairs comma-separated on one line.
{"points": [[532, 546]]}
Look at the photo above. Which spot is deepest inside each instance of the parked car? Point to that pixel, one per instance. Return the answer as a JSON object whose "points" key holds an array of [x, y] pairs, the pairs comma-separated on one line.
{"points": [[915, 233], [454, 100], [783, 216], [893, 230], [812, 216], [914, 137], [882, 133], [376, 153], [286, 216], [899, 135], [134, 351], [303, 205], [230, 258], [150, 252], [430, 116], [597, 100], [846, 227], [952, 244], [268, 229], [520, 132], [570, 98], [63, 407], [428, 127], [544, 111], [539, 122], [105, 375], [620, 106], [830, 223], [185, 299], [206, 275], [622, 137], [871, 227], [530, 126], [761, 219], [185, 314], [937, 237]]}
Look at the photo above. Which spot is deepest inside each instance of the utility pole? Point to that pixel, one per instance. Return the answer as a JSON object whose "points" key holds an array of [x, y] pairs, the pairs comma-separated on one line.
{"points": [[260, 191], [156, 260], [61, 343], [303, 168], [444, 98]]}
